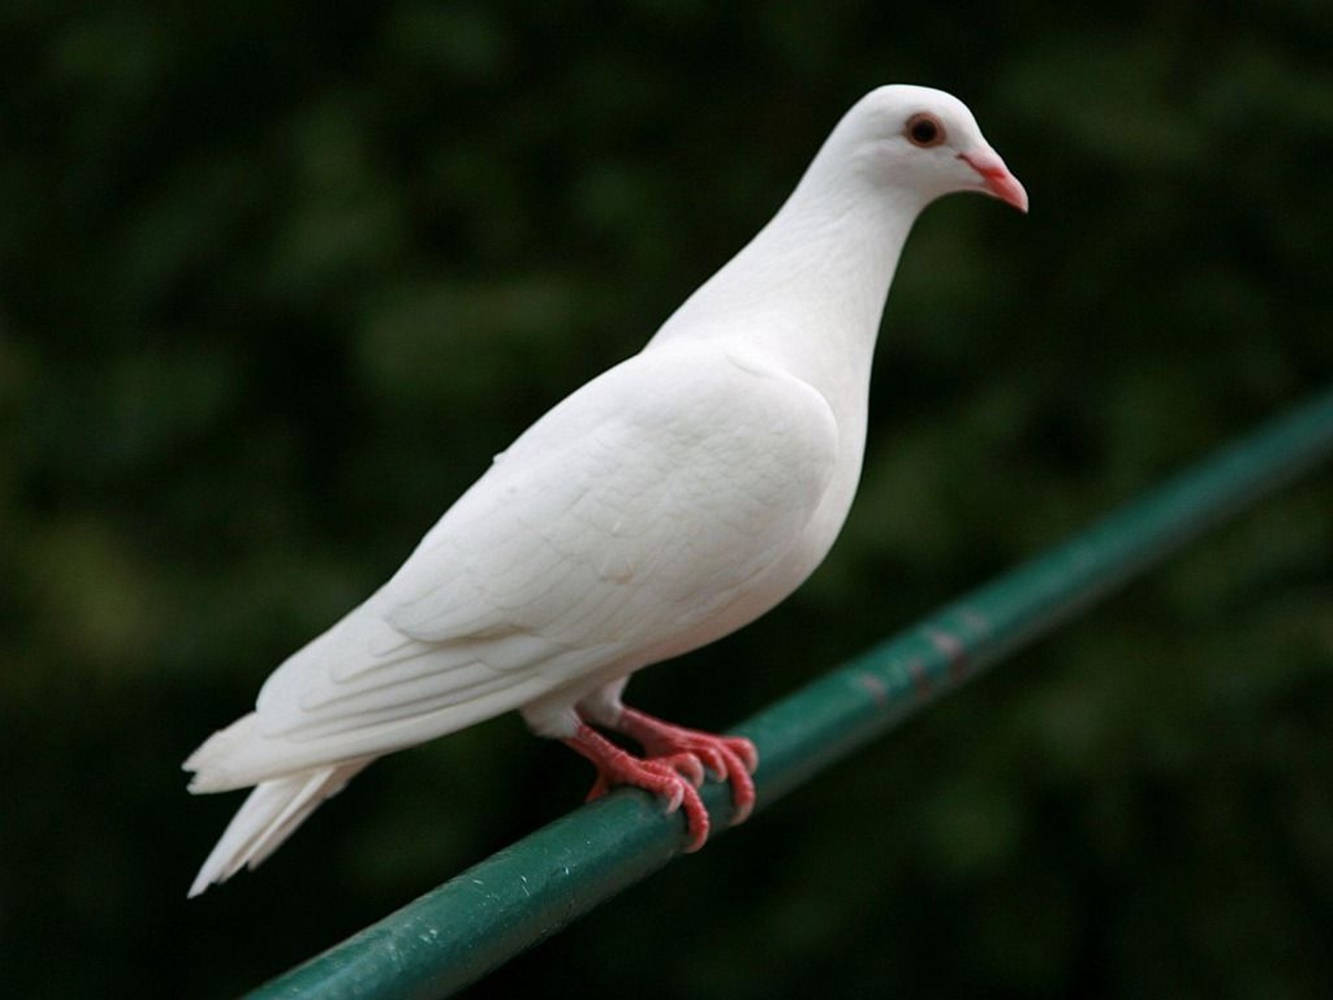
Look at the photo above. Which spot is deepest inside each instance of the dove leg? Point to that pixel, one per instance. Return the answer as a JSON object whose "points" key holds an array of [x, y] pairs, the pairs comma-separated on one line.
{"points": [[730, 758], [672, 778]]}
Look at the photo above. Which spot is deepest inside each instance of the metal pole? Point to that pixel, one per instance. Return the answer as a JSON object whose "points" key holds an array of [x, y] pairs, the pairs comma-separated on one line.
{"points": [[455, 934]]}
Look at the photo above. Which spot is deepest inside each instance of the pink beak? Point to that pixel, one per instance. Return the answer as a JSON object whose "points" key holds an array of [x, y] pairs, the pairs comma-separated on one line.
{"points": [[995, 177]]}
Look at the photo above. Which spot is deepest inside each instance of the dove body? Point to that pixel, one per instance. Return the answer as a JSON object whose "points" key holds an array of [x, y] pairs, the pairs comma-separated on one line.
{"points": [[671, 500]]}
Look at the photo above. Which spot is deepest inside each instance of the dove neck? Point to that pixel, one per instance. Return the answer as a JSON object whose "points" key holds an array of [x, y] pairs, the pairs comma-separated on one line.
{"points": [[808, 291]]}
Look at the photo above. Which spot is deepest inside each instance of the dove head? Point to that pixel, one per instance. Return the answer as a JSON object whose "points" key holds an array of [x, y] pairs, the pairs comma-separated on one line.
{"points": [[925, 143]]}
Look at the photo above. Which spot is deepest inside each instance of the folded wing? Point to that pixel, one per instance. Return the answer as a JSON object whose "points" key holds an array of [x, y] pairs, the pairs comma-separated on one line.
{"points": [[634, 512]]}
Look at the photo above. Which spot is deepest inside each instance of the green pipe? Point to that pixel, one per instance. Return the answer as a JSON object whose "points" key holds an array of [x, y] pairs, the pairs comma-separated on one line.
{"points": [[455, 934]]}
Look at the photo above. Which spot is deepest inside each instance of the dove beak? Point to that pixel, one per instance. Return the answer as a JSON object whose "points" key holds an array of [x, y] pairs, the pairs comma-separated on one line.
{"points": [[996, 179]]}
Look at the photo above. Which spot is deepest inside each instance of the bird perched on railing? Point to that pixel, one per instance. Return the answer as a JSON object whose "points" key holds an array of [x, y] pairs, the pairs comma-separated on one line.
{"points": [[669, 501]]}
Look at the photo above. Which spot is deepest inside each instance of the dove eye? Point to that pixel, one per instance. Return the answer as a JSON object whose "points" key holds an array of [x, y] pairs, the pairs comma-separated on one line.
{"points": [[924, 130]]}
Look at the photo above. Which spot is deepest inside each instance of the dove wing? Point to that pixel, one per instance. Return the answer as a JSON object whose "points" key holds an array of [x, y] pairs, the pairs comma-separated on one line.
{"points": [[689, 477], [632, 512]]}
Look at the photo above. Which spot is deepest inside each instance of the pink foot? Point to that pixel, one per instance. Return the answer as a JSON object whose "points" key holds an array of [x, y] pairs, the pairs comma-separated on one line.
{"points": [[671, 777], [729, 758]]}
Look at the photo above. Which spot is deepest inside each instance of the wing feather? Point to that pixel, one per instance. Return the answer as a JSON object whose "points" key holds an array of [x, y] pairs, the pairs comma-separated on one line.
{"points": [[628, 515]]}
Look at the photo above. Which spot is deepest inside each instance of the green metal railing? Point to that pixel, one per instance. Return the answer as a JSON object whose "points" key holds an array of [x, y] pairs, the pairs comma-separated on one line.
{"points": [[457, 933]]}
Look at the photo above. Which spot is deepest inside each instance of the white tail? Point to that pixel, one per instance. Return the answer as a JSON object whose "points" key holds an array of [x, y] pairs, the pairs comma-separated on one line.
{"points": [[274, 809]]}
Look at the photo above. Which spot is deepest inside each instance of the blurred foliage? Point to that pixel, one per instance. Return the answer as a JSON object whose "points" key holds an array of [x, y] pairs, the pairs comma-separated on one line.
{"points": [[277, 280]]}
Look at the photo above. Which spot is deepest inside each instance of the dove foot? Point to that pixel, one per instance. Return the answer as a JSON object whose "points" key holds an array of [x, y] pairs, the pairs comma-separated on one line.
{"points": [[672, 777], [729, 758]]}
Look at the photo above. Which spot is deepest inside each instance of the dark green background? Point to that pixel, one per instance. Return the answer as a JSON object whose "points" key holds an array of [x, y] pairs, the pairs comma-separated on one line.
{"points": [[276, 280]]}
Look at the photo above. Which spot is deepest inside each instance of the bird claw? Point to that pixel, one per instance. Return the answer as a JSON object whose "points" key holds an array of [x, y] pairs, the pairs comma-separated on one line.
{"points": [[687, 765], [674, 767], [672, 778], [728, 758], [725, 756]]}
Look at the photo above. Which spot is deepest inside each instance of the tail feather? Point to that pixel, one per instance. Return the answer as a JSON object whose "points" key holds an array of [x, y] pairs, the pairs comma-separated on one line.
{"points": [[274, 809], [296, 814], [210, 760]]}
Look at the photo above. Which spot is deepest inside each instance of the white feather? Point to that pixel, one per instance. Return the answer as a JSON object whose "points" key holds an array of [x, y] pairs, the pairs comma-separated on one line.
{"points": [[270, 813]]}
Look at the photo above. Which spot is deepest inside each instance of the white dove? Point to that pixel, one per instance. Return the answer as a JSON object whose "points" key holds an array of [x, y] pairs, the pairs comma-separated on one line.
{"points": [[671, 500]]}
